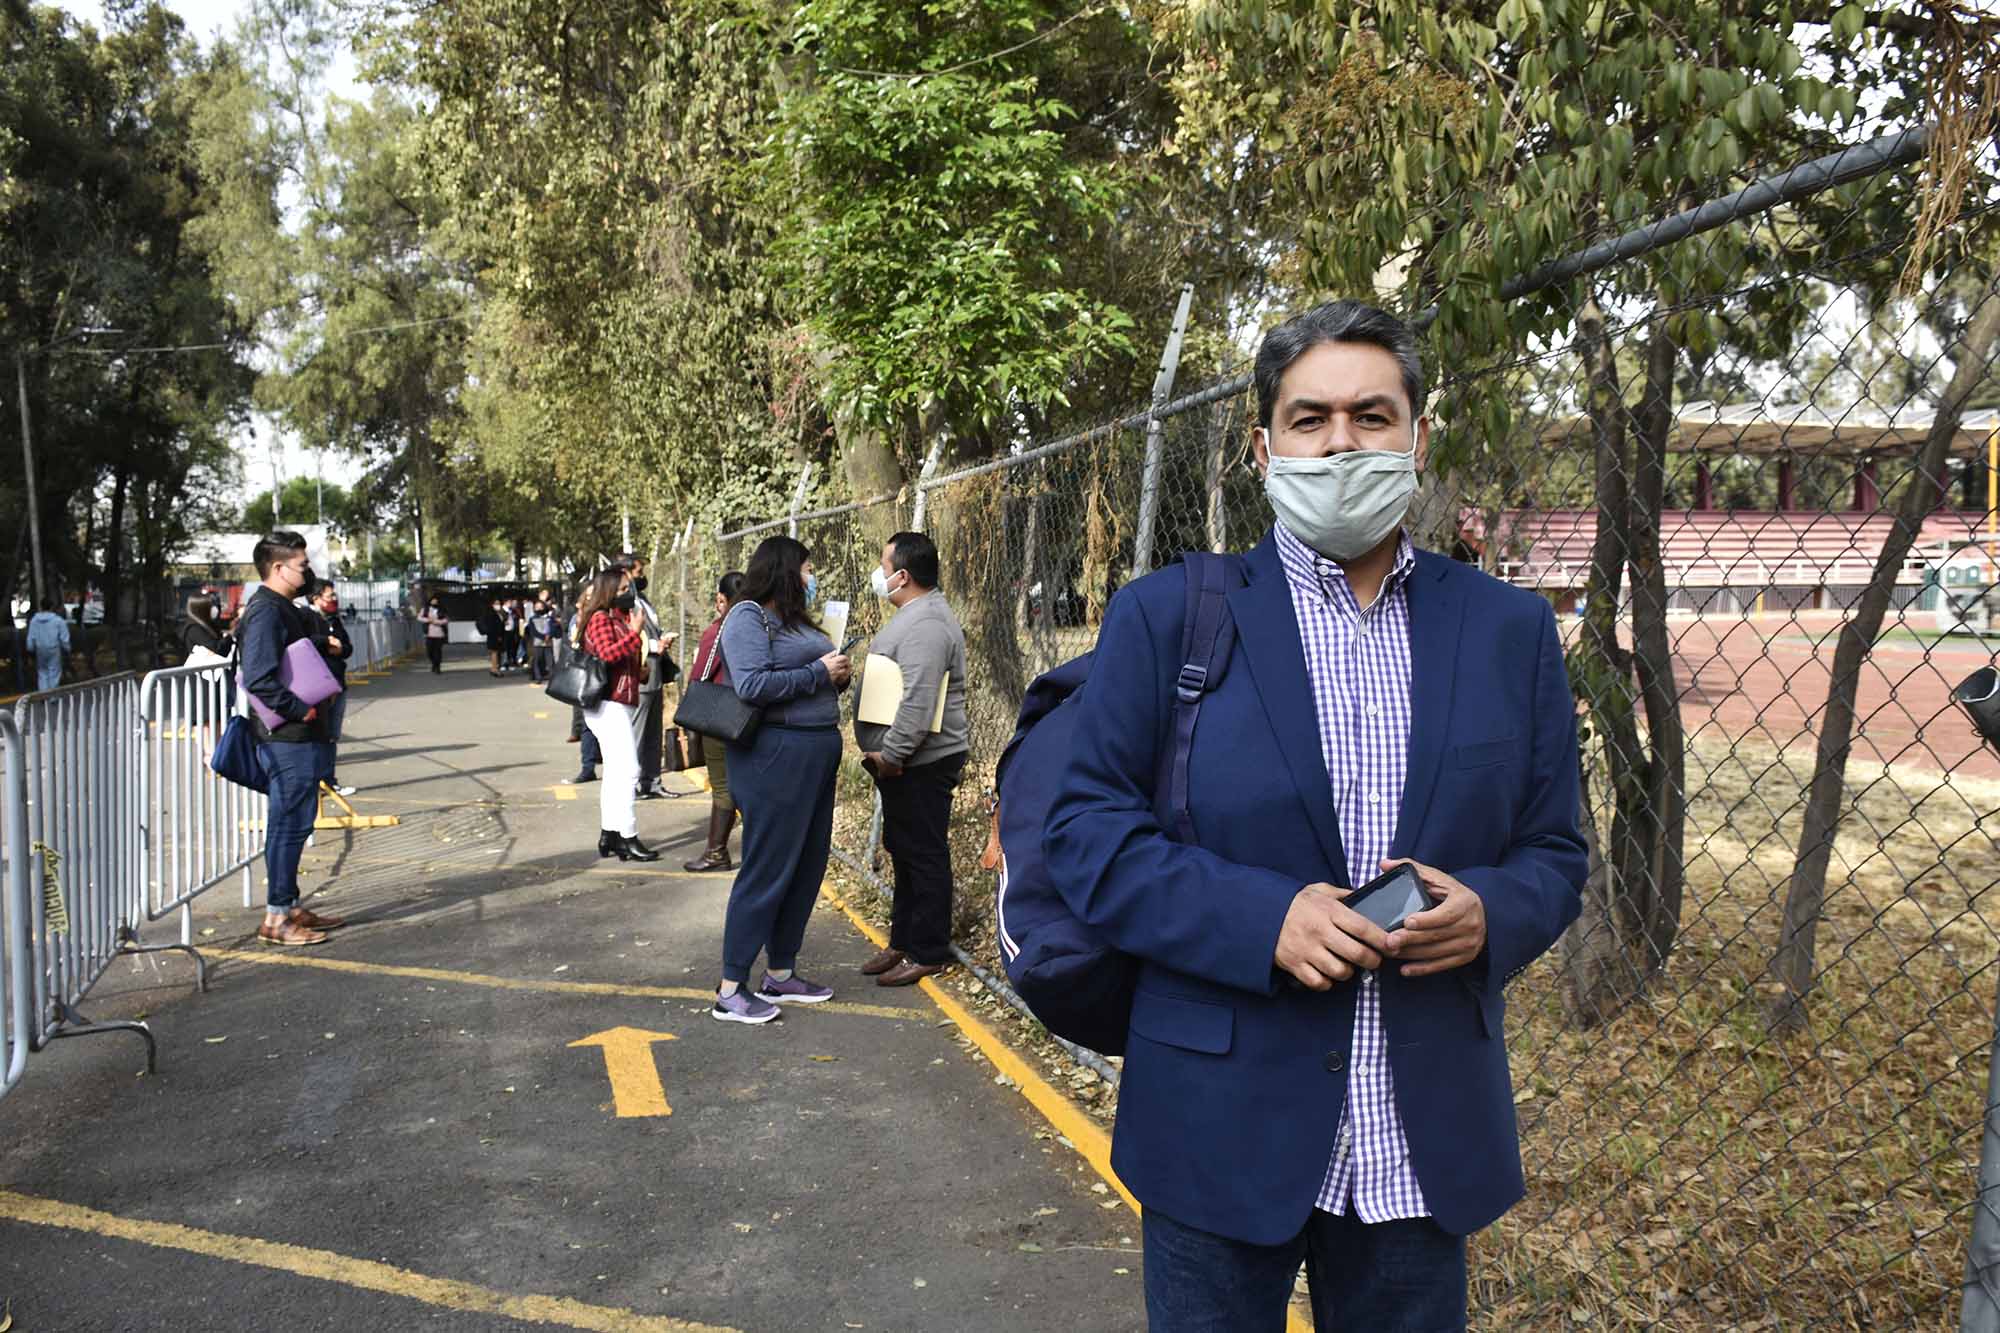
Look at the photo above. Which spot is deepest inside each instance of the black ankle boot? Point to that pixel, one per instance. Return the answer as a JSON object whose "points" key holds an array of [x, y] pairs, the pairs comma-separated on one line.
{"points": [[610, 844], [634, 850]]}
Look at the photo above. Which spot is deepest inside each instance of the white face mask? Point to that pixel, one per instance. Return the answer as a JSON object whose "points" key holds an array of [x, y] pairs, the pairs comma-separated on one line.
{"points": [[879, 581], [1343, 505]]}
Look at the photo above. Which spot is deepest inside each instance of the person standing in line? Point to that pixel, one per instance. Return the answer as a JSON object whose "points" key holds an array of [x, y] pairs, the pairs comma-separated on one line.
{"points": [[707, 666], [543, 627], [915, 767], [492, 627], [611, 633], [294, 752], [516, 632], [200, 629], [782, 662], [1301, 1085], [48, 643], [437, 628], [330, 632], [589, 755], [656, 671]]}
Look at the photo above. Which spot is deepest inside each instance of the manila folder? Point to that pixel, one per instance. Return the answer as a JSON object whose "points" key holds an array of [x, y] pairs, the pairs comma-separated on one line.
{"points": [[882, 693]]}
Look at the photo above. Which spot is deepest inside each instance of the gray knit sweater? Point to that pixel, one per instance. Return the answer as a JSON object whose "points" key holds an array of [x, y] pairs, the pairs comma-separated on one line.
{"points": [[925, 641]]}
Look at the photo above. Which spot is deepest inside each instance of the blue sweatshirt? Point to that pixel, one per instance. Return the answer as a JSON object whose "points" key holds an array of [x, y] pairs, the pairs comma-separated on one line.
{"points": [[779, 669]]}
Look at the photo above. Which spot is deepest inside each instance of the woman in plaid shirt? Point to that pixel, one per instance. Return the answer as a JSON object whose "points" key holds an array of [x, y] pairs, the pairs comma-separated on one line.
{"points": [[611, 619]]}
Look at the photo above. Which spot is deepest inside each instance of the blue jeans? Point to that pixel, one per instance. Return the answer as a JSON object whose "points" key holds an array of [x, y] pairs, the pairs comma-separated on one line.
{"points": [[1385, 1277], [294, 768], [784, 785], [336, 714]]}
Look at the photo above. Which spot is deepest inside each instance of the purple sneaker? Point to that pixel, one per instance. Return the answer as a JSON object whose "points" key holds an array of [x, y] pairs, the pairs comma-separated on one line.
{"points": [[794, 989], [742, 1007]]}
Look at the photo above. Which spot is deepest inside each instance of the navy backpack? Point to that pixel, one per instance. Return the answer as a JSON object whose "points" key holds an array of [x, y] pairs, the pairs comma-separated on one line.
{"points": [[1079, 986]]}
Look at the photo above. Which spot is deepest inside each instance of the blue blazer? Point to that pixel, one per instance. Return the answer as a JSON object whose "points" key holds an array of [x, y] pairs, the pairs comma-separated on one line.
{"points": [[1233, 1084]]}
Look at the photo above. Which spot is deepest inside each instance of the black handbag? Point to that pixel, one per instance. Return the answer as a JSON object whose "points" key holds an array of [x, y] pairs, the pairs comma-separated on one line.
{"points": [[579, 676], [716, 710]]}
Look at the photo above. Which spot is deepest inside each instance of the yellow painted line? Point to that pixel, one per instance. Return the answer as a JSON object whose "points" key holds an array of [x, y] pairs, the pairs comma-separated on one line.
{"points": [[341, 1269], [1063, 1115], [636, 1089], [542, 717], [564, 793], [535, 984]]}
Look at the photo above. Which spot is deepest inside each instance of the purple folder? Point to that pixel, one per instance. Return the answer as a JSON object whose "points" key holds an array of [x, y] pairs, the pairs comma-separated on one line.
{"points": [[304, 673]]}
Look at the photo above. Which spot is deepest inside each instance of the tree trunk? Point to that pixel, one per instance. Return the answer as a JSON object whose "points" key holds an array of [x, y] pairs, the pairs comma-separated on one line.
{"points": [[114, 550], [1601, 672], [1792, 964], [1657, 859]]}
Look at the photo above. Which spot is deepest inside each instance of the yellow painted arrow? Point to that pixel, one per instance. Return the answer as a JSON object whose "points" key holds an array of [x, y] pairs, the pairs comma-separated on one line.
{"points": [[635, 1079]]}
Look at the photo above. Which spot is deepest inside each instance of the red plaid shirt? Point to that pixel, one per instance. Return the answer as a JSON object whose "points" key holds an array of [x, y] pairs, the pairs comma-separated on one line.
{"points": [[610, 637]]}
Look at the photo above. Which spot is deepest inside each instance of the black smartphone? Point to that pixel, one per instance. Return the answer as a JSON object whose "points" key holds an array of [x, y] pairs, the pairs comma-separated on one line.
{"points": [[848, 647], [1390, 898]]}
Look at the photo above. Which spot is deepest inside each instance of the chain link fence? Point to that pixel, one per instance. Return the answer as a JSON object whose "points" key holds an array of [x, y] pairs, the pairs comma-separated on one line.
{"points": [[1757, 478]]}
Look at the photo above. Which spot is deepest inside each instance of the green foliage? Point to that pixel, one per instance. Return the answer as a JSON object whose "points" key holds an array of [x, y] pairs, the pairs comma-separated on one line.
{"points": [[924, 194], [99, 192]]}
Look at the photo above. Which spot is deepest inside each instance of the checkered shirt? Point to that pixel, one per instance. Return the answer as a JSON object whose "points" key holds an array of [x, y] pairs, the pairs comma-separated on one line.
{"points": [[1359, 664]]}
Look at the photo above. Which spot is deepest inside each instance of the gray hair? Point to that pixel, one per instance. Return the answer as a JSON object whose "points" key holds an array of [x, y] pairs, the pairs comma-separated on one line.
{"points": [[1336, 322]]}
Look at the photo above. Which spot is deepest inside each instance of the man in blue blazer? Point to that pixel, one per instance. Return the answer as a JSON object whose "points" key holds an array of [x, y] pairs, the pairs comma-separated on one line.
{"points": [[1301, 1086]]}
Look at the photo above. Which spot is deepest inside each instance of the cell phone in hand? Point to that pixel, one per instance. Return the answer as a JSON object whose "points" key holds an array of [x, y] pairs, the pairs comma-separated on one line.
{"points": [[1388, 900], [848, 647]]}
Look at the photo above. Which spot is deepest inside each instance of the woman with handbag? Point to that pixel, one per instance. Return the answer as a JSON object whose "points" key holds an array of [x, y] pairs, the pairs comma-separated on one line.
{"points": [[710, 751], [781, 776], [610, 619]]}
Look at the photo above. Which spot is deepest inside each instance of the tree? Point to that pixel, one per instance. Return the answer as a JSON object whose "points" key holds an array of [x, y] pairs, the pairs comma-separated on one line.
{"points": [[100, 189], [1445, 152]]}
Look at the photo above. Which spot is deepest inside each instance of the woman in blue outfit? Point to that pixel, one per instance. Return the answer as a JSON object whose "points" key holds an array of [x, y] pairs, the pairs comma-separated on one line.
{"points": [[783, 780]]}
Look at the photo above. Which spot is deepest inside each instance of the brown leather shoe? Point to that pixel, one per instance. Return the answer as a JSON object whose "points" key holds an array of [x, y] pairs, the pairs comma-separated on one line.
{"points": [[311, 920], [289, 931], [909, 972], [882, 962]]}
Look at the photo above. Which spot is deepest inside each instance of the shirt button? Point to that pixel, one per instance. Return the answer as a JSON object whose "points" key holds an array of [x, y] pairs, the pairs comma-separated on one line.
{"points": [[1374, 798], [1373, 711], [1335, 1062]]}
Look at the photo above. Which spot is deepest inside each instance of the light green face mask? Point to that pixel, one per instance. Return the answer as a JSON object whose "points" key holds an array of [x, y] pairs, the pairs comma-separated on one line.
{"points": [[1343, 505]]}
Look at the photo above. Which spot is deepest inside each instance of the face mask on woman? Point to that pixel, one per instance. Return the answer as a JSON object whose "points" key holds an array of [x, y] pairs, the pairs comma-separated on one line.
{"points": [[812, 589], [625, 601]]}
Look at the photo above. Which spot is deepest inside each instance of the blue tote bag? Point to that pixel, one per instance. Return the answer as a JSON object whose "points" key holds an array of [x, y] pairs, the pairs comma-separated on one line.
{"points": [[236, 756]]}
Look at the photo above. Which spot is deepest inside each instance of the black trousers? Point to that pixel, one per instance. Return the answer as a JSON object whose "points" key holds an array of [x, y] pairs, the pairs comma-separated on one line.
{"points": [[435, 647], [916, 829], [646, 722]]}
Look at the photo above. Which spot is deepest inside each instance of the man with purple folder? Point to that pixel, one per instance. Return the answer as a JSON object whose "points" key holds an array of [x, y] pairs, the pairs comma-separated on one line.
{"points": [[286, 688]]}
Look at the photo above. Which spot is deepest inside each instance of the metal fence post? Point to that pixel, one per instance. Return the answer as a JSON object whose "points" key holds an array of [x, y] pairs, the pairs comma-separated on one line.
{"points": [[798, 500], [1156, 442], [1980, 1312]]}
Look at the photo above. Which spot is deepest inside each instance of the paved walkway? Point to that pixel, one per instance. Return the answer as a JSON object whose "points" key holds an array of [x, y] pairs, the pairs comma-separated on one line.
{"points": [[401, 1129]]}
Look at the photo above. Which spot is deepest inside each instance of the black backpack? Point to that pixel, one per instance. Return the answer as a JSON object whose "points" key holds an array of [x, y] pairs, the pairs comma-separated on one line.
{"points": [[1076, 984]]}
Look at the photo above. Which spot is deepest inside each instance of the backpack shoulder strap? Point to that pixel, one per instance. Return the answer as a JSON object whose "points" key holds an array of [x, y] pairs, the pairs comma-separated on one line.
{"points": [[1208, 636]]}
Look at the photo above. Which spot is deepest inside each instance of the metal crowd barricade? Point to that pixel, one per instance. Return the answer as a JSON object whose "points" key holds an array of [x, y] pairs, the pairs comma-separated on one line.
{"points": [[16, 955], [197, 829], [82, 755]]}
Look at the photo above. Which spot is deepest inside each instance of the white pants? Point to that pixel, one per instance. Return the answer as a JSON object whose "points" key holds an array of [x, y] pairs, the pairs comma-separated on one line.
{"points": [[618, 789]]}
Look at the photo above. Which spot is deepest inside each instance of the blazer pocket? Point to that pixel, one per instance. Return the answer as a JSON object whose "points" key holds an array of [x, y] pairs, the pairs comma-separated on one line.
{"points": [[1192, 1025], [1485, 753]]}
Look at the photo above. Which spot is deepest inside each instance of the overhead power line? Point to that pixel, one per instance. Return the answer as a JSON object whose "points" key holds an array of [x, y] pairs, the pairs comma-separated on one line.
{"points": [[218, 347]]}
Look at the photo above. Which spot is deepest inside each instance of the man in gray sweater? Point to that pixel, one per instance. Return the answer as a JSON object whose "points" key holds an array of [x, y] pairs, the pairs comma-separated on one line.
{"points": [[916, 767]]}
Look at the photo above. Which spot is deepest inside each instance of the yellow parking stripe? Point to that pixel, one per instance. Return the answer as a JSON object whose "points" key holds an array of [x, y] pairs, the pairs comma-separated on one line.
{"points": [[550, 987], [344, 1270]]}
